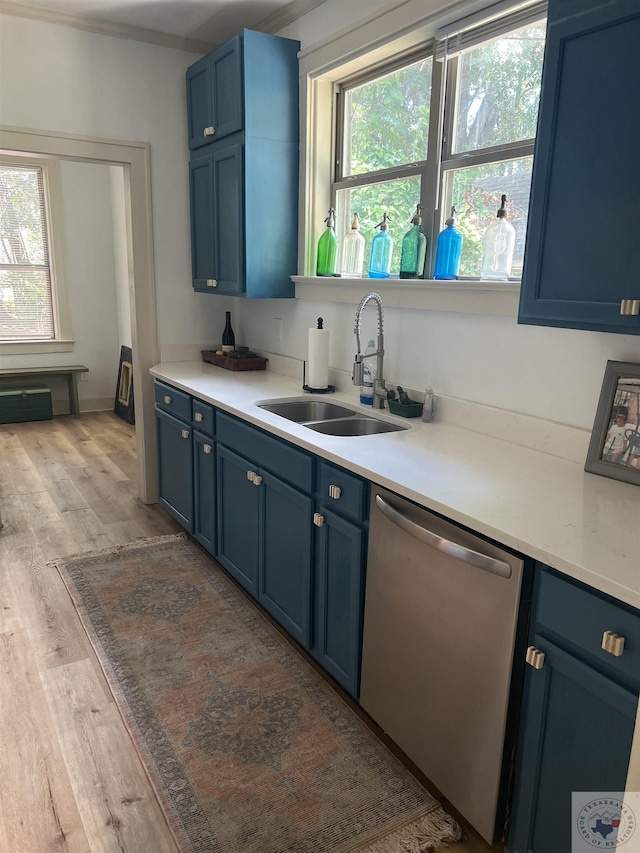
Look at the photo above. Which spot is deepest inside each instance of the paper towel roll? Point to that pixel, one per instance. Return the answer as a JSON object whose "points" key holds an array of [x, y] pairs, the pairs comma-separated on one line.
{"points": [[318, 359]]}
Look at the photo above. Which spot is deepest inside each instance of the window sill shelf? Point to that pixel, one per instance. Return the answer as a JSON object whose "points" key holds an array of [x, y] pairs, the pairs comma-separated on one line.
{"points": [[497, 298], [27, 347]]}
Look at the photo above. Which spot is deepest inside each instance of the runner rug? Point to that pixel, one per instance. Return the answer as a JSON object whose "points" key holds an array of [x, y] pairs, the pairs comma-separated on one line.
{"points": [[247, 748]]}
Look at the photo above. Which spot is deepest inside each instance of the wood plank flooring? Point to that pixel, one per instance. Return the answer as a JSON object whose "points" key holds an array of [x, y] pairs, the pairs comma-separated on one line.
{"points": [[70, 778]]}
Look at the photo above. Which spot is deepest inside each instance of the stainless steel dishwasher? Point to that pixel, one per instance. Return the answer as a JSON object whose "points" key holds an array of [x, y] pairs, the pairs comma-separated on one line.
{"points": [[440, 620]]}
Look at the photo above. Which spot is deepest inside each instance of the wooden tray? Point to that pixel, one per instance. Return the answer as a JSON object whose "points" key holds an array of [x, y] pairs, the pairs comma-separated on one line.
{"points": [[233, 363]]}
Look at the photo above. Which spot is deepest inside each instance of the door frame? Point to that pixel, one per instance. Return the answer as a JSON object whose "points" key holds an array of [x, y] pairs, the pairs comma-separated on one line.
{"points": [[134, 157]]}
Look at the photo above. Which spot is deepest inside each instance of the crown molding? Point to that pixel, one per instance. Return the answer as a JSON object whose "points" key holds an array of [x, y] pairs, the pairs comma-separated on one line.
{"points": [[276, 21], [105, 28]]}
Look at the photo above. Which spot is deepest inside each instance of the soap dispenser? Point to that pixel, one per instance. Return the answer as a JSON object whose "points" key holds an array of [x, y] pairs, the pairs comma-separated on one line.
{"points": [[414, 249], [352, 256], [328, 247], [381, 249], [497, 246], [448, 250]]}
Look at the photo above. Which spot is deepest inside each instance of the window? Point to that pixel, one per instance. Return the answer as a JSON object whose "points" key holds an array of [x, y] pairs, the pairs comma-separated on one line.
{"points": [[31, 310], [453, 125]]}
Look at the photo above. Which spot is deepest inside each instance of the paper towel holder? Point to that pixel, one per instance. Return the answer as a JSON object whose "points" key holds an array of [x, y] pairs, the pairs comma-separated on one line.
{"points": [[328, 390]]}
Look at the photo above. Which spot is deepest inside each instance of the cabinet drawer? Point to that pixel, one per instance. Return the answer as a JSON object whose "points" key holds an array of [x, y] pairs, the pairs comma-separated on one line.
{"points": [[344, 492], [203, 416], [287, 462], [172, 400], [581, 617]]}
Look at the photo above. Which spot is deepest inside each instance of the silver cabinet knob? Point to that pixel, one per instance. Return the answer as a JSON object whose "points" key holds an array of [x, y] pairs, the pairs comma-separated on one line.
{"points": [[185, 433], [318, 519], [211, 282], [335, 492], [206, 448], [199, 417], [209, 131], [613, 643], [257, 479], [167, 401], [535, 657], [251, 475], [630, 306]]}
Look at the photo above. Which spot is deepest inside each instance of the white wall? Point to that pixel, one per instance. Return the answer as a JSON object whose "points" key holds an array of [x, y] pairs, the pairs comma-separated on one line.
{"points": [[123, 272]]}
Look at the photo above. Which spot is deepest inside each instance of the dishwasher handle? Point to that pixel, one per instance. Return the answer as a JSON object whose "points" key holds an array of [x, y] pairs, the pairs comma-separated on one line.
{"points": [[428, 537]]}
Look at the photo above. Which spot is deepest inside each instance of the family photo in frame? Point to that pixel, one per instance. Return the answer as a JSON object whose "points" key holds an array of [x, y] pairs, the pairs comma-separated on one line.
{"points": [[614, 450]]}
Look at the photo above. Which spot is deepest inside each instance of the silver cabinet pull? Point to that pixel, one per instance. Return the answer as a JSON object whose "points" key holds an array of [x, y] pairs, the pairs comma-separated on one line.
{"points": [[167, 401], [251, 475], [335, 492], [318, 519], [209, 131], [199, 417], [211, 282], [535, 657], [613, 643], [185, 433], [459, 552], [630, 306], [206, 448]]}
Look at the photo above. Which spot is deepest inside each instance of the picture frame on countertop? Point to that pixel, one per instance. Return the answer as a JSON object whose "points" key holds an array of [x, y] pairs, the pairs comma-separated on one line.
{"points": [[614, 449]]}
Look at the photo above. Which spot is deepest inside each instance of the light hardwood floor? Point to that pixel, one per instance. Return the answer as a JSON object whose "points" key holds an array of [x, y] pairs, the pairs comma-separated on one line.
{"points": [[70, 778]]}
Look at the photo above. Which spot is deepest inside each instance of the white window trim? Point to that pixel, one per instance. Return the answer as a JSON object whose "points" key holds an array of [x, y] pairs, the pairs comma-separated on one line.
{"points": [[370, 42], [63, 341]]}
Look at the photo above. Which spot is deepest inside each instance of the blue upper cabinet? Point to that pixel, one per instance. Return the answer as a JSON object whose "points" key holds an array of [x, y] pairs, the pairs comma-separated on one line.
{"points": [[582, 258], [244, 166], [214, 95]]}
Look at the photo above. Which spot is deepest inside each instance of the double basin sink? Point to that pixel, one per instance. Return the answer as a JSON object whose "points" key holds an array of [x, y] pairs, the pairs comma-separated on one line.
{"points": [[329, 418]]}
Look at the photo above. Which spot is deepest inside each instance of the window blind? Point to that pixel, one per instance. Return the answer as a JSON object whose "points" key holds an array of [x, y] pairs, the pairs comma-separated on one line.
{"points": [[490, 23], [26, 304]]}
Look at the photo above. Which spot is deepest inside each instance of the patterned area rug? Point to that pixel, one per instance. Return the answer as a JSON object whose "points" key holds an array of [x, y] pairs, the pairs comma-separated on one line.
{"points": [[248, 749]]}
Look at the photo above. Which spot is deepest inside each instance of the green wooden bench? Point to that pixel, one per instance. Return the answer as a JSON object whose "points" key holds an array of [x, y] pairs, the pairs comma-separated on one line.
{"points": [[69, 371]]}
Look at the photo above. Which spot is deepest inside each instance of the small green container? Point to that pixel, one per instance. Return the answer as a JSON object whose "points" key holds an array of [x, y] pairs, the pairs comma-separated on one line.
{"points": [[413, 410], [18, 405]]}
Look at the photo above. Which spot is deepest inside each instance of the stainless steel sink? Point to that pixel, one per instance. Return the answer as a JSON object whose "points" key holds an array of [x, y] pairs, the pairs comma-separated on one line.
{"points": [[307, 410], [329, 418], [355, 426]]}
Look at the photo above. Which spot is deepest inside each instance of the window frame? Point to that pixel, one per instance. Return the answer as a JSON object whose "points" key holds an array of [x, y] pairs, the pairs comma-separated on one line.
{"points": [[441, 162], [53, 203]]}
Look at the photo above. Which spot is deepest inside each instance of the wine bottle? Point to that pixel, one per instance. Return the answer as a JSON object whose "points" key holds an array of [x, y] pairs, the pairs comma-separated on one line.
{"points": [[228, 338]]}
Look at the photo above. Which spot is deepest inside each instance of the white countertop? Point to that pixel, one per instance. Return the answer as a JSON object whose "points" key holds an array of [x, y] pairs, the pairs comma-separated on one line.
{"points": [[548, 508]]}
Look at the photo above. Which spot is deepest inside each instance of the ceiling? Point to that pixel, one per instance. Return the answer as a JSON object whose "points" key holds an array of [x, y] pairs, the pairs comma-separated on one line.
{"points": [[188, 24]]}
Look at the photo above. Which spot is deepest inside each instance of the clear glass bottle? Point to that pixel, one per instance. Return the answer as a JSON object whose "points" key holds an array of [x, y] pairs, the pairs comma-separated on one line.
{"points": [[381, 249], [414, 249], [368, 375], [228, 337], [497, 247], [352, 255], [328, 247], [448, 250]]}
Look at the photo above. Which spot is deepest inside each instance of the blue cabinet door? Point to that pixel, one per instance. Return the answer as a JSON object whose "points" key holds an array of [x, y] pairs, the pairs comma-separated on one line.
{"points": [[338, 599], [204, 491], [175, 467], [576, 735], [285, 571], [583, 253], [238, 500], [217, 214], [214, 95]]}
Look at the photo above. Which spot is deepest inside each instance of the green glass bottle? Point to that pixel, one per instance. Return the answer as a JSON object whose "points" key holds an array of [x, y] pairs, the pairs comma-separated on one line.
{"points": [[414, 249], [328, 247]]}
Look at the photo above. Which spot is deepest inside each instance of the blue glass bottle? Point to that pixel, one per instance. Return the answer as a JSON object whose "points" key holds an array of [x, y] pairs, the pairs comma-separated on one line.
{"points": [[448, 250], [381, 249]]}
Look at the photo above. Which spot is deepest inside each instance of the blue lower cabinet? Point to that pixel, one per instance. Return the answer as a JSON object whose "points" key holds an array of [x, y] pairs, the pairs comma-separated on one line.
{"points": [[175, 467], [238, 499], [204, 491], [284, 589], [338, 599], [576, 735]]}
